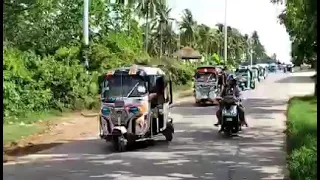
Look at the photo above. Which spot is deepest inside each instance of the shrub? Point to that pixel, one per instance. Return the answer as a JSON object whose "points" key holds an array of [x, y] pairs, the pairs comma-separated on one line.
{"points": [[303, 164]]}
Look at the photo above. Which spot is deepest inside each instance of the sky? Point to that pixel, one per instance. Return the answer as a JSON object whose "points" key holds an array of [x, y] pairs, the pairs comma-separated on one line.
{"points": [[245, 15]]}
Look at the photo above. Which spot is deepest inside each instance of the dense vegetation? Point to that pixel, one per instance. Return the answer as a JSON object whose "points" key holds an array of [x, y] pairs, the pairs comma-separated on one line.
{"points": [[302, 138], [44, 52]]}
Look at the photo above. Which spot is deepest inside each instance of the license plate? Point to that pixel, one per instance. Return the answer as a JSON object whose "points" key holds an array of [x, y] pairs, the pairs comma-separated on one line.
{"points": [[228, 119]]}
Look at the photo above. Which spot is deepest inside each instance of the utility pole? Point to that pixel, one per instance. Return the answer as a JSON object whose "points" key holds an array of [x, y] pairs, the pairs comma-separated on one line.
{"points": [[225, 33], [86, 30]]}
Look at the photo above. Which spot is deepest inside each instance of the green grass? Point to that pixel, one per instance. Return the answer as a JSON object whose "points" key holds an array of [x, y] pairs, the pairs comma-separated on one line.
{"points": [[302, 138], [16, 128], [14, 132], [31, 117]]}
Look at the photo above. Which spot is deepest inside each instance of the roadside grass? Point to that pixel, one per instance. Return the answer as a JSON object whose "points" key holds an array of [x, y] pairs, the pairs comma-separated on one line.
{"points": [[302, 138], [16, 128]]}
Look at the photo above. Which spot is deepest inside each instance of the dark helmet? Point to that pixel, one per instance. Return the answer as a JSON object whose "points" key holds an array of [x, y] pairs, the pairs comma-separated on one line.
{"points": [[231, 79]]}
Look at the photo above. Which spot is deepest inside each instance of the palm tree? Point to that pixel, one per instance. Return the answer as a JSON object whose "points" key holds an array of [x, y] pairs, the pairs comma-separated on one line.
{"points": [[147, 9], [188, 26], [163, 18]]}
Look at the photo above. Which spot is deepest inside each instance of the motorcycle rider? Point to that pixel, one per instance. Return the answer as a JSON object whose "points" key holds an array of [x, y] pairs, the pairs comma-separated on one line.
{"points": [[231, 84], [223, 77]]}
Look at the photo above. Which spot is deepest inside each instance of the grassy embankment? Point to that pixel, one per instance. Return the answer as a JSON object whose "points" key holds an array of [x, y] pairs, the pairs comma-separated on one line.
{"points": [[20, 127], [302, 138]]}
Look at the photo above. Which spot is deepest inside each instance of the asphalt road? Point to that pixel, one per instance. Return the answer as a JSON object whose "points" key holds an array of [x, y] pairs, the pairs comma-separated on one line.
{"points": [[196, 152]]}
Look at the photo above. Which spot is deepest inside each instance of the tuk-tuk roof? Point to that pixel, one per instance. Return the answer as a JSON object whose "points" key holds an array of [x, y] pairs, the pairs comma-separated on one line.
{"points": [[206, 66], [243, 67], [255, 67], [149, 70]]}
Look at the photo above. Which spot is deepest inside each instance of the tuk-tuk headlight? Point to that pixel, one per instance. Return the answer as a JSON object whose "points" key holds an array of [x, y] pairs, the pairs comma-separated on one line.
{"points": [[135, 110], [105, 111]]}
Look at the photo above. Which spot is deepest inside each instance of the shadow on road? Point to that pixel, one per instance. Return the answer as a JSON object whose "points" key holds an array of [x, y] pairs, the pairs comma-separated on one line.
{"points": [[296, 79], [195, 153]]}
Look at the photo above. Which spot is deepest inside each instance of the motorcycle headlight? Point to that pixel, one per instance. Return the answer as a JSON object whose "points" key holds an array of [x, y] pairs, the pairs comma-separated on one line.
{"points": [[105, 111]]}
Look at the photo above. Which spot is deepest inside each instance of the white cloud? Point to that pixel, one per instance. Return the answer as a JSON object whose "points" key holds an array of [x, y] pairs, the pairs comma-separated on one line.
{"points": [[245, 15]]}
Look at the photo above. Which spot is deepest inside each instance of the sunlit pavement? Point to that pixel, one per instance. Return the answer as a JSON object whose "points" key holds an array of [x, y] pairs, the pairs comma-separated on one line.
{"points": [[196, 152]]}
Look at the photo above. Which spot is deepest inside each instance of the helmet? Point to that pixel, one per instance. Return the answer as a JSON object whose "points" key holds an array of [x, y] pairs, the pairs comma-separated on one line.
{"points": [[231, 79]]}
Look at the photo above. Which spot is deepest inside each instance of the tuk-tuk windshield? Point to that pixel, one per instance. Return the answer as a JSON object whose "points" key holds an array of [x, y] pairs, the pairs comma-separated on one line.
{"points": [[122, 86], [205, 77], [242, 71]]}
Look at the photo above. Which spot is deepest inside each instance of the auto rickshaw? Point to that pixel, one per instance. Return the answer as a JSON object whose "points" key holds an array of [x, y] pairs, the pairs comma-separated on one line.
{"points": [[255, 75], [135, 106], [259, 74], [206, 84], [290, 68], [272, 68], [244, 77]]}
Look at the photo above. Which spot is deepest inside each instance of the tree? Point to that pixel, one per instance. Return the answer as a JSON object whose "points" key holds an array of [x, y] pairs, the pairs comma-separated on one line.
{"points": [[258, 49], [188, 28]]}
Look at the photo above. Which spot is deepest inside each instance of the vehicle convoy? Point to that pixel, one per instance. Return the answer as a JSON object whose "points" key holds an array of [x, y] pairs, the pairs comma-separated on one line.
{"points": [[245, 78], [206, 85], [135, 106]]}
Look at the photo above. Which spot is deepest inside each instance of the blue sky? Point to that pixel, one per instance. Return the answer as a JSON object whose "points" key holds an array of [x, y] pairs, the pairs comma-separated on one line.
{"points": [[245, 15]]}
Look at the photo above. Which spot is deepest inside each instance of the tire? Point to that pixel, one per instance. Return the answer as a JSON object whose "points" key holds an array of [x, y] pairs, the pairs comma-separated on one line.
{"points": [[168, 132], [119, 145], [169, 137]]}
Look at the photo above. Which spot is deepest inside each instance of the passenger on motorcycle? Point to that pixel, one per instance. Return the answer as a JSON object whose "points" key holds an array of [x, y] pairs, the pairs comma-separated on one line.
{"points": [[231, 85], [223, 77]]}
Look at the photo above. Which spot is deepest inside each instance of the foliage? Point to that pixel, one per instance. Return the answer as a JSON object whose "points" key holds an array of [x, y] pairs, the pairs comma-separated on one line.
{"points": [[302, 137], [300, 20], [32, 83]]}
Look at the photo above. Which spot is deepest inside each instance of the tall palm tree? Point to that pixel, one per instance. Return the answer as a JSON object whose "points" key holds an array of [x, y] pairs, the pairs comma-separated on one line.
{"points": [[188, 26], [147, 9], [163, 12]]}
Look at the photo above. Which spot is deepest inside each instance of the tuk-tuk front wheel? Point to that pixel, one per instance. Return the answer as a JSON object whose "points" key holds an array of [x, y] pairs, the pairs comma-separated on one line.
{"points": [[119, 144], [168, 132]]}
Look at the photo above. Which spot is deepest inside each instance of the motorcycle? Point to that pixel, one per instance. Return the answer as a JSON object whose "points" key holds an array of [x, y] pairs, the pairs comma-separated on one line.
{"points": [[230, 123]]}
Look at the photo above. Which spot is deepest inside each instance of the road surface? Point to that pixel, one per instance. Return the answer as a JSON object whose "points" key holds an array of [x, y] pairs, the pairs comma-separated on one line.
{"points": [[196, 152]]}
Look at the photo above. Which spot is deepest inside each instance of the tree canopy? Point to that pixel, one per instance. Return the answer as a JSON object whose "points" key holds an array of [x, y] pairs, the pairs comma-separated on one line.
{"points": [[300, 20]]}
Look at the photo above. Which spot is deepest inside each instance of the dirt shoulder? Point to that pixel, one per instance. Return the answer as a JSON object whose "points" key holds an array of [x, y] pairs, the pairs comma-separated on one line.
{"points": [[55, 132], [61, 130]]}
